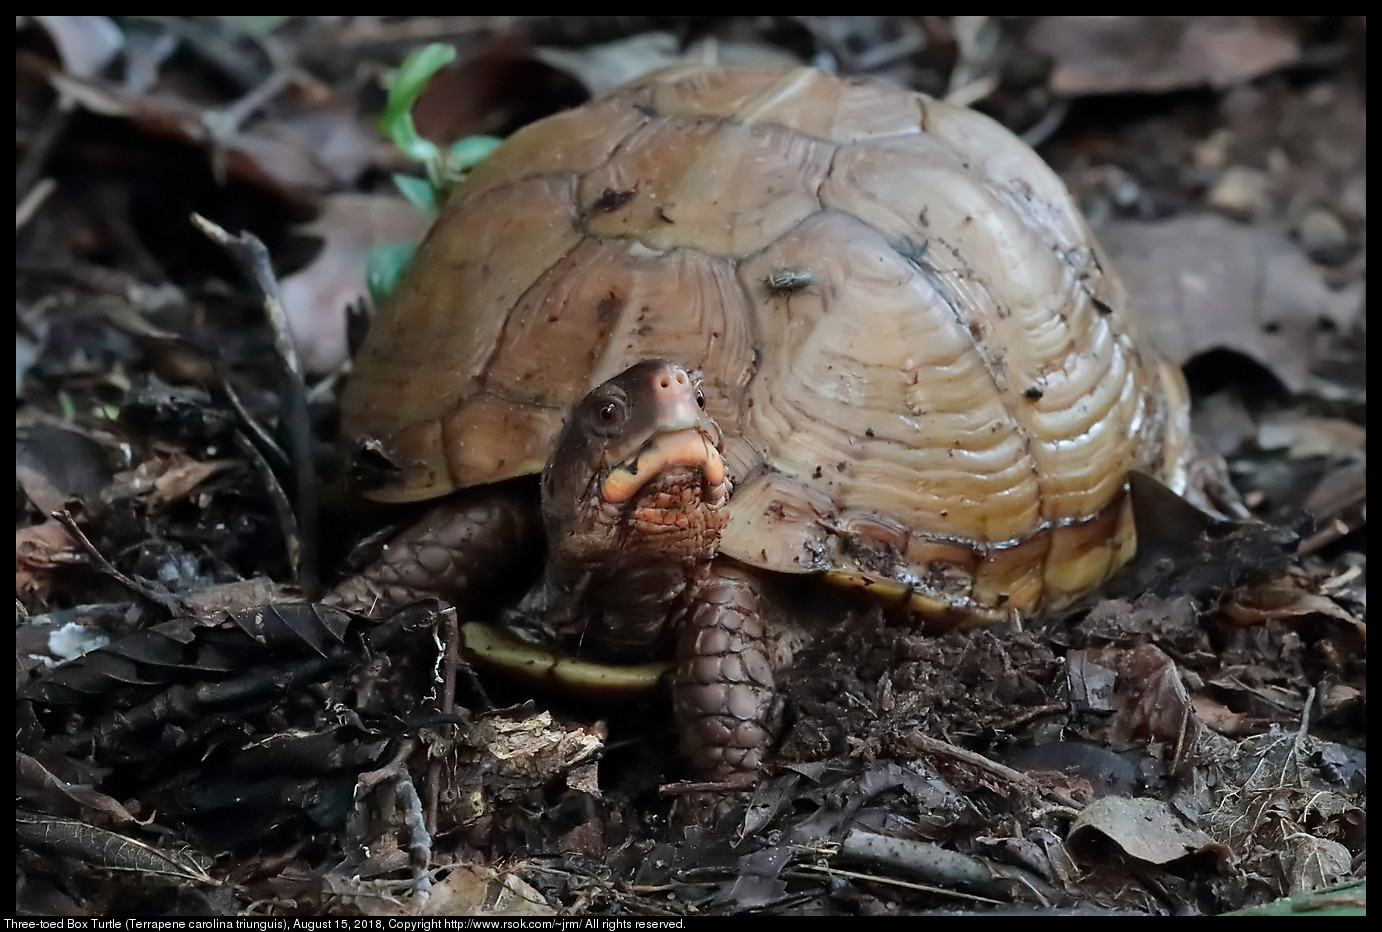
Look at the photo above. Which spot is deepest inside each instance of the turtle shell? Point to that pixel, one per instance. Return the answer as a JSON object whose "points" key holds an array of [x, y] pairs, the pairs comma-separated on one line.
{"points": [[928, 376]]}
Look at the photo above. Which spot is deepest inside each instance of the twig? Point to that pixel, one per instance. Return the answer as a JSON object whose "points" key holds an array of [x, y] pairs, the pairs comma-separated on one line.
{"points": [[287, 521], [733, 784], [928, 745], [451, 635], [165, 600], [396, 777], [263, 440], [1335, 529], [32, 200], [1304, 728], [253, 258]]}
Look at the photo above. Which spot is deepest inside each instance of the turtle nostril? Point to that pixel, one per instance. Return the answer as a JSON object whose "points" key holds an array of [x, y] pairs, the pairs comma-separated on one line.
{"points": [[664, 383]]}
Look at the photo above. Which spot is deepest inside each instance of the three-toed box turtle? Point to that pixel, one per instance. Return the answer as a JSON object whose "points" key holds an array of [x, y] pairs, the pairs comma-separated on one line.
{"points": [[919, 376]]}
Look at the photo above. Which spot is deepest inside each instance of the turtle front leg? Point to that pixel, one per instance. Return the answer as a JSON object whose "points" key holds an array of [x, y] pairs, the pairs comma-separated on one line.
{"points": [[722, 691], [456, 546]]}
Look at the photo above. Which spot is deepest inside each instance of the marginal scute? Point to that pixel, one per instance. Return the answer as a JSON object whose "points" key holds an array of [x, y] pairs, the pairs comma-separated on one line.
{"points": [[1009, 580], [928, 377], [490, 438], [429, 354], [1081, 555]]}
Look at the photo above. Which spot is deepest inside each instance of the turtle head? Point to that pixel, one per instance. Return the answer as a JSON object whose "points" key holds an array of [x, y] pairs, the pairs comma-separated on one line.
{"points": [[637, 473]]}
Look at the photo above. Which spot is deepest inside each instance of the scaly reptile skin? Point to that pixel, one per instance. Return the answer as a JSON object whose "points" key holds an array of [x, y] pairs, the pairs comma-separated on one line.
{"points": [[722, 691], [447, 554]]}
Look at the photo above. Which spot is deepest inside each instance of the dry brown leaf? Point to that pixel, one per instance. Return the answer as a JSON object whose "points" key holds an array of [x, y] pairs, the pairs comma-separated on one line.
{"points": [[56, 464], [1225, 721], [605, 66], [1152, 702], [1203, 282], [1302, 435], [315, 298], [1288, 596], [1314, 863], [1146, 829], [181, 477], [536, 747], [43, 789], [303, 152], [1150, 698], [39, 550], [1113, 54], [167, 476], [297, 154], [466, 890]]}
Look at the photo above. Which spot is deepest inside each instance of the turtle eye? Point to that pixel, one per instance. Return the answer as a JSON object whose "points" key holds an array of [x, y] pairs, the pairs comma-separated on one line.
{"points": [[700, 399], [608, 416]]}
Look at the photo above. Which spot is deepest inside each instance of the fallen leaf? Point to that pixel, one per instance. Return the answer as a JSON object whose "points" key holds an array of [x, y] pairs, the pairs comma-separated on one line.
{"points": [[1314, 863], [1143, 828], [603, 67], [496, 88], [41, 788], [55, 464], [1201, 282], [1225, 721], [39, 551], [179, 480], [110, 851], [536, 748], [1287, 596], [167, 476], [466, 890], [299, 153], [1302, 435], [316, 297], [1115, 54]]}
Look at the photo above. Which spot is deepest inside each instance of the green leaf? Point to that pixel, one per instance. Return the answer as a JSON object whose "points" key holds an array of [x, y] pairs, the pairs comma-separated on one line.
{"points": [[417, 191], [405, 86], [417, 69], [404, 134], [385, 266], [1349, 899], [466, 153]]}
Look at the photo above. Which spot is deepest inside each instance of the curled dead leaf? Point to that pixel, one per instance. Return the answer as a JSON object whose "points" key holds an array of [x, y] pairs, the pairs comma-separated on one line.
{"points": [[1289, 596], [39, 551], [168, 476], [1142, 828]]}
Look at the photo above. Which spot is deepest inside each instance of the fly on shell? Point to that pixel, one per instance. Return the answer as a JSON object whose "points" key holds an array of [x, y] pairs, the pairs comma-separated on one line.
{"points": [[793, 278]]}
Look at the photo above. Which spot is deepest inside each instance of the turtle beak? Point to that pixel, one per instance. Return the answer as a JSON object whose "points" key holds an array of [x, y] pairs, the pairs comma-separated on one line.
{"points": [[679, 433]]}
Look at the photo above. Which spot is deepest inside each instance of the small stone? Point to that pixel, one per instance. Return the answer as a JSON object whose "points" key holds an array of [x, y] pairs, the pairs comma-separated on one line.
{"points": [[1240, 192], [1123, 189], [1323, 237]]}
